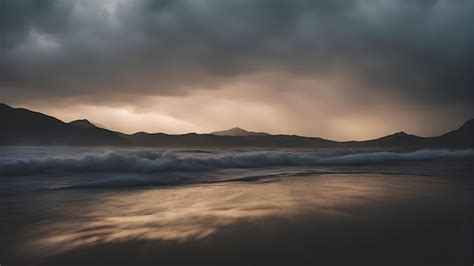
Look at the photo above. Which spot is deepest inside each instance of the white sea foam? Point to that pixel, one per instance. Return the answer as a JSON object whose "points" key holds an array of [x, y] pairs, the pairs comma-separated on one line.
{"points": [[146, 162]]}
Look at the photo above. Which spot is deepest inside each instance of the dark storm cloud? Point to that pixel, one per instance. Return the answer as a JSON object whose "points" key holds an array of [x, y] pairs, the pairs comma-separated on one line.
{"points": [[419, 51]]}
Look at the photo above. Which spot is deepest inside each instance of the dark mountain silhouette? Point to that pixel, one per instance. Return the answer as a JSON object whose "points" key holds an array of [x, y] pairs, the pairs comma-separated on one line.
{"points": [[24, 127], [461, 137], [209, 140], [237, 131], [400, 139], [82, 123]]}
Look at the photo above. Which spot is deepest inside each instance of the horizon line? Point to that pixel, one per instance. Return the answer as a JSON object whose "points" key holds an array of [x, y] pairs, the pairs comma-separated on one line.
{"points": [[235, 127]]}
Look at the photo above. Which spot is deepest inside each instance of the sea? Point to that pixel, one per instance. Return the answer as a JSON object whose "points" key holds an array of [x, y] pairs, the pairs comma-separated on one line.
{"points": [[235, 206]]}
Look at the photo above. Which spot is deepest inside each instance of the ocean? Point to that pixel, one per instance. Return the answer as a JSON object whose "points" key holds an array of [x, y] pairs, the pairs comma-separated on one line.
{"points": [[136, 206]]}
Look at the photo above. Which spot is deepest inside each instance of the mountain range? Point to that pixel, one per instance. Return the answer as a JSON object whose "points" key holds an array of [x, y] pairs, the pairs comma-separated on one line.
{"points": [[21, 127]]}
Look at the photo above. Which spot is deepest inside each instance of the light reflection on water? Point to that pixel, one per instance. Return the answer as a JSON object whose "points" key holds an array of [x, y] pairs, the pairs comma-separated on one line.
{"points": [[195, 212]]}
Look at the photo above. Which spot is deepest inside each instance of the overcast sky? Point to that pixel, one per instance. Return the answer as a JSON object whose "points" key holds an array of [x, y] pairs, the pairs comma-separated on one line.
{"points": [[336, 69]]}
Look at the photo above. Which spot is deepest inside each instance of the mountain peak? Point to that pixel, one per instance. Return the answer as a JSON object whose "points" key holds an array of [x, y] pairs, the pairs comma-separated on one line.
{"points": [[401, 133], [237, 131], [82, 123]]}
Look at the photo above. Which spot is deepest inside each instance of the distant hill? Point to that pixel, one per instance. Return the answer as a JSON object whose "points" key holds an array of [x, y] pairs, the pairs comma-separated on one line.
{"points": [[24, 127], [461, 137], [237, 131], [82, 123], [400, 139]]}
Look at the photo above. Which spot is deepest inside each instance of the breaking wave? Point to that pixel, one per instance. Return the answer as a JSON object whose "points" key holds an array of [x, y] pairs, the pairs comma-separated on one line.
{"points": [[146, 162]]}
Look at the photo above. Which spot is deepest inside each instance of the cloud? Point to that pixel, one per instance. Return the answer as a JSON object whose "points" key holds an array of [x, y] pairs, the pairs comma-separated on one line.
{"points": [[415, 55]]}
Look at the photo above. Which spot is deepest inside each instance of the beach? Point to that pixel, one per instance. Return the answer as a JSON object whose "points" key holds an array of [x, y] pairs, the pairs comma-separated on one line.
{"points": [[393, 212]]}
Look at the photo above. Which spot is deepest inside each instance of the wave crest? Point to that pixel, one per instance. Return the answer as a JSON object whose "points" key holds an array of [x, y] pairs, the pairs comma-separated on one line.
{"points": [[145, 162]]}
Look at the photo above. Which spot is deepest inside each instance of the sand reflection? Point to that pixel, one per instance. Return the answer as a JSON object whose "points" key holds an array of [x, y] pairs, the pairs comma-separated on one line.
{"points": [[194, 212]]}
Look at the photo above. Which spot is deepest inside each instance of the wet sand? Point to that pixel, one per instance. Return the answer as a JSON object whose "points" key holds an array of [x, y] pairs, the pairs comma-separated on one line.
{"points": [[334, 219]]}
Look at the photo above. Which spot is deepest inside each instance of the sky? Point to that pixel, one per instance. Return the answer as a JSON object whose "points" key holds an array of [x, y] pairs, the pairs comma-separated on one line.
{"points": [[341, 70]]}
